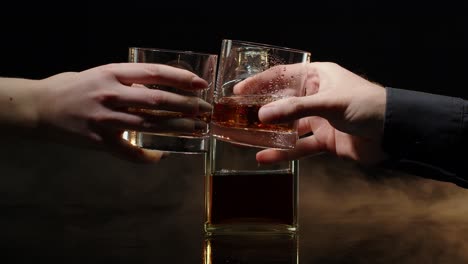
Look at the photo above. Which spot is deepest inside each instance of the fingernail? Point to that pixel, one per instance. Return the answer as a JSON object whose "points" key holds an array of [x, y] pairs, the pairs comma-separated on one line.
{"points": [[204, 107], [199, 83], [200, 125]]}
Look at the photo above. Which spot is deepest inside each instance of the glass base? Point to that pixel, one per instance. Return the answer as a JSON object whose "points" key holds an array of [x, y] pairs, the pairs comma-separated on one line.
{"points": [[168, 143], [255, 248], [255, 138], [248, 228]]}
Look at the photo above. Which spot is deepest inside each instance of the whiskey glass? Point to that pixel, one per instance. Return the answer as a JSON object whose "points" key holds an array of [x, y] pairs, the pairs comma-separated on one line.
{"points": [[243, 197], [183, 133], [242, 88]]}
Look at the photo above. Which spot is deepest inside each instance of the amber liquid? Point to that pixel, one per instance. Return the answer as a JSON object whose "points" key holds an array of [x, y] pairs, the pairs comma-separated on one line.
{"points": [[242, 112], [204, 116], [252, 198]]}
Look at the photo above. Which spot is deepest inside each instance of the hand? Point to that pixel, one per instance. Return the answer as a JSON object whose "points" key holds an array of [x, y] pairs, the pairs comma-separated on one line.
{"points": [[92, 107], [344, 112]]}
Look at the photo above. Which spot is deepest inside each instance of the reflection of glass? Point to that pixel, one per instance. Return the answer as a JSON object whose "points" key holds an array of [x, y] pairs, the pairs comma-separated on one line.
{"points": [[177, 131], [242, 196], [251, 249], [235, 114]]}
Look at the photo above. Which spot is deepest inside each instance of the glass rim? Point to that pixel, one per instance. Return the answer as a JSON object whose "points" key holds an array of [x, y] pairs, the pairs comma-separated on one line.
{"points": [[175, 51], [258, 44]]}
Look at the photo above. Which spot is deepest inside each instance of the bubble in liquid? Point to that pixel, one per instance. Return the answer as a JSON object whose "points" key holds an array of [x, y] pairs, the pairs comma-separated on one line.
{"points": [[278, 139]]}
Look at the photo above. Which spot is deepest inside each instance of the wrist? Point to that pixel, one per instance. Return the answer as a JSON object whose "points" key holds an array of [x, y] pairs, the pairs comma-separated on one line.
{"points": [[371, 109], [18, 109], [380, 102]]}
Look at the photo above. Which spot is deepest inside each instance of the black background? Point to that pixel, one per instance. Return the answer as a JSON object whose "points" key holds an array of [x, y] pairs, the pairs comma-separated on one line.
{"points": [[407, 45]]}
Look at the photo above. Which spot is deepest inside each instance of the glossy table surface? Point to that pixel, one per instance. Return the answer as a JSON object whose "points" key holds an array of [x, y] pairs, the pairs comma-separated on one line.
{"points": [[77, 206]]}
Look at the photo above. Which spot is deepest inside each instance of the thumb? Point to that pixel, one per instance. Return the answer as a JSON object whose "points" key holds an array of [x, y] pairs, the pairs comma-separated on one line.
{"points": [[152, 156], [125, 150]]}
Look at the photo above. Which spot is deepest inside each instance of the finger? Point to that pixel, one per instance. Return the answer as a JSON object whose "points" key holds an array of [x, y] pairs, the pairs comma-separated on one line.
{"points": [[127, 151], [123, 149], [289, 109], [310, 124], [304, 147], [116, 120], [150, 73], [152, 122], [151, 155], [172, 125], [303, 127], [281, 79], [138, 97]]}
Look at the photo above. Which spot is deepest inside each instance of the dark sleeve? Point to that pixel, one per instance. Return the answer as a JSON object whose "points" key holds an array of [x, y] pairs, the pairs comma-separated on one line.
{"points": [[426, 134]]}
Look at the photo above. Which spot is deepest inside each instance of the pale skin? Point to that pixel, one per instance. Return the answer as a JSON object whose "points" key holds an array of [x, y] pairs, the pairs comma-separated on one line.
{"points": [[91, 107], [344, 111]]}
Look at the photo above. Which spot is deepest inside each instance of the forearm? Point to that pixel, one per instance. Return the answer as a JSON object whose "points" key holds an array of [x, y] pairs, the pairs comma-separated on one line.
{"points": [[18, 104]]}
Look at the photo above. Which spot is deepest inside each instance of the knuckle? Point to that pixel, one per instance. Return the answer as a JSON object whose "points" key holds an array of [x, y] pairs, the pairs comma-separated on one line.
{"points": [[108, 69], [100, 117], [106, 97], [112, 66], [152, 71], [297, 106], [276, 70], [331, 65], [157, 98]]}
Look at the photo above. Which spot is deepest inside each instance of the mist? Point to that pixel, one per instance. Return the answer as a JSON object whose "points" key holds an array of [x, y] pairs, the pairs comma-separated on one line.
{"points": [[62, 201], [382, 216]]}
